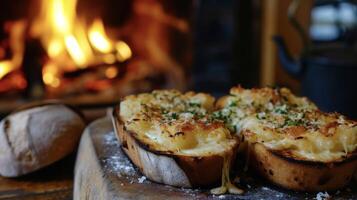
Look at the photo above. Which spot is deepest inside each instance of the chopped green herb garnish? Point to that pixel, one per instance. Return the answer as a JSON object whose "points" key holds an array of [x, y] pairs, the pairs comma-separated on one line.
{"points": [[164, 111], [260, 116], [174, 116], [192, 104], [233, 104]]}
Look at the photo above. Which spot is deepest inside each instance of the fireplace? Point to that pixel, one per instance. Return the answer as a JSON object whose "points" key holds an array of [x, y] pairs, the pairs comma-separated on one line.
{"points": [[92, 52]]}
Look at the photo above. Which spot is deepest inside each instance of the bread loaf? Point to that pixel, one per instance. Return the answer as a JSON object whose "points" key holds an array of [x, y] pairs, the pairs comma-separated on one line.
{"points": [[33, 138]]}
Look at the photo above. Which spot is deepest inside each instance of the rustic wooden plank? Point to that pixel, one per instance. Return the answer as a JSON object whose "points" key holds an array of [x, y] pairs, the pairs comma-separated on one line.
{"points": [[103, 171], [53, 182], [56, 195]]}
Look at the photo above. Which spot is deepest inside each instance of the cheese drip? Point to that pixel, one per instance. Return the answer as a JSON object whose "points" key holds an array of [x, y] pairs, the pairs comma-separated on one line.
{"points": [[226, 184]]}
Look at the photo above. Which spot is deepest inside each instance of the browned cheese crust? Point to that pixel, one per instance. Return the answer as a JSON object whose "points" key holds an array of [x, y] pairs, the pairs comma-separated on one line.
{"points": [[172, 149], [290, 141]]}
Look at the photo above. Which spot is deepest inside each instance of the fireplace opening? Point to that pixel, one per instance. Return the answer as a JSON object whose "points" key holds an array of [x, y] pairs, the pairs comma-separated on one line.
{"points": [[92, 52]]}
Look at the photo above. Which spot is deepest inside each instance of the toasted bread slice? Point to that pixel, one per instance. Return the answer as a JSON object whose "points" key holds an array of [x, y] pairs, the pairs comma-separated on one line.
{"points": [[301, 175], [171, 139], [290, 138]]}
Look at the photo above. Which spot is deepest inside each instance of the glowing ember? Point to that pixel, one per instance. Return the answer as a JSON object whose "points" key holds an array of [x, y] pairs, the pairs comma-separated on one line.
{"points": [[50, 75], [111, 72], [123, 51], [5, 68]]}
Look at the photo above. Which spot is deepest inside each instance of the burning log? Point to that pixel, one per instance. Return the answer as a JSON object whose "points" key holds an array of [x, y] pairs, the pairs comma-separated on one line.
{"points": [[32, 68]]}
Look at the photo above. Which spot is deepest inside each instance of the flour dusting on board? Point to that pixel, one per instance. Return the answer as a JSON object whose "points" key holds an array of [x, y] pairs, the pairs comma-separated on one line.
{"points": [[110, 139], [117, 163]]}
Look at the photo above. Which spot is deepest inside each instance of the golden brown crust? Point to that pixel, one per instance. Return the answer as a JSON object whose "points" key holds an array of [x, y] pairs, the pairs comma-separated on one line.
{"points": [[172, 121], [282, 166], [271, 116], [221, 102], [282, 121], [198, 171], [301, 175]]}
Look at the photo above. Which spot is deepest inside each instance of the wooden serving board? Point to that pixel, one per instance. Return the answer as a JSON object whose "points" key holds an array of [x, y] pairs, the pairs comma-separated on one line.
{"points": [[103, 171], [54, 182]]}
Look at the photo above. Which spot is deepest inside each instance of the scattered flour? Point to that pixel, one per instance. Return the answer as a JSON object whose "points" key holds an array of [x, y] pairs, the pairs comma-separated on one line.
{"points": [[119, 165], [110, 139], [117, 162], [141, 179], [279, 195], [322, 196]]}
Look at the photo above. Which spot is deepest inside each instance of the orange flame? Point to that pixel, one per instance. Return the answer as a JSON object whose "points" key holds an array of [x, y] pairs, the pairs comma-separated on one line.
{"points": [[70, 44], [98, 38], [17, 47], [5, 67]]}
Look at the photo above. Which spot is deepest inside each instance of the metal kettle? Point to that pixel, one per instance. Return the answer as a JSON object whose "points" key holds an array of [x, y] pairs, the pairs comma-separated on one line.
{"points": [[328, 73]]}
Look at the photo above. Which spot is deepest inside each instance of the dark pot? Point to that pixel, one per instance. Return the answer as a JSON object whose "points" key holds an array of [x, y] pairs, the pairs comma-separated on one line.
{"points": [[328, 76]]}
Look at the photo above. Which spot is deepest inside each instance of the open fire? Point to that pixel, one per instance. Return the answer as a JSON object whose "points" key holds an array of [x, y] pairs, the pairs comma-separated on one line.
{"points": [[75, 55], [70, 44]]}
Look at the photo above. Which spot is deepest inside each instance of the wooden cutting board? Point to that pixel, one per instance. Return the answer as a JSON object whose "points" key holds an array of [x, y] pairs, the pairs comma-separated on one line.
{"points": [[54, 182], [103, 171]]}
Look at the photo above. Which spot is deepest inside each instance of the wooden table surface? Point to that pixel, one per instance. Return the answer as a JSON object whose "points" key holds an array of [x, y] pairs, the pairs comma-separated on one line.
{"points": [[54, 182]]}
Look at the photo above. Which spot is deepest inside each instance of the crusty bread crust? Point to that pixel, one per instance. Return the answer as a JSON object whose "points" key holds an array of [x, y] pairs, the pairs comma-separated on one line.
{"points": [[166, 167], [36, 136], [284, 167], [301, 175]]}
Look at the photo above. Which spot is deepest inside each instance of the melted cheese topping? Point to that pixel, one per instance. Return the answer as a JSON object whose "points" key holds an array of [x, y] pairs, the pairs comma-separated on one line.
{"points": [[226, 181], [169, 121], [293, 125], [182, 124]]}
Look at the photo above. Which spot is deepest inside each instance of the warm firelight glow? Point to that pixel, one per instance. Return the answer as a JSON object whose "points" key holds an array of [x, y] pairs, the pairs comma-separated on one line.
{"points": [[75, 51], [109, 58], [50, 75], [123, 51], [60, 17], [5, 68], [98, 38], [111, 72], [73, 43], [17, 47], [55, 47]]}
